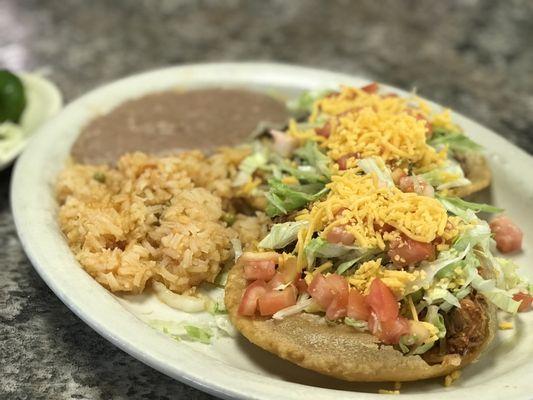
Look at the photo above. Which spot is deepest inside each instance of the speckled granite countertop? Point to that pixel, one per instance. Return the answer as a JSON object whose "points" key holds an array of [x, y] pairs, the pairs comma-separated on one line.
{"points": [[474, 56]]}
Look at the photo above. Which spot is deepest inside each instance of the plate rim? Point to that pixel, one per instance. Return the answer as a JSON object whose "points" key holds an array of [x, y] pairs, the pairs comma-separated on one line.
{"points": [[284, 73]]}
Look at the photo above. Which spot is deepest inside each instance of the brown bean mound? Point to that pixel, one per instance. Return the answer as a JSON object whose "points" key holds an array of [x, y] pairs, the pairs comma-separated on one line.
{"points": [[336, 350]]}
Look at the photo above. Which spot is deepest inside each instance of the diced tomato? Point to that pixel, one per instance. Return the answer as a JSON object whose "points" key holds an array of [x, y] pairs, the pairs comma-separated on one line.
{"points": [[406, 251], [327, 289], [325, 131], [263, 270], [357, 306], [382, 302], [398, 174], [276, 281], [507, 234], [339, 235], [338, 283], [389, 332], [321, 291], [416, 184], [301, 285], [393, 330], [343, 161], [526, 300], [338, 306], [274, 300], [370, 88], [248, 256], [249, 300]]}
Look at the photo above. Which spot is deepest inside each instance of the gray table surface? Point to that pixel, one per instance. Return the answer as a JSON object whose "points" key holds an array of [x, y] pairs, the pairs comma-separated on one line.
{"points": [[474, 56]]}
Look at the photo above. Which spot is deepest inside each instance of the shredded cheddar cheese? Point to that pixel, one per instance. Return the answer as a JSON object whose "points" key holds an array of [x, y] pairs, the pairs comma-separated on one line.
{"points": [[368, 124], [303, 135], [393, 137], [505, 325], [444, 120], [397, 281], [352, 99], [359, 205]]}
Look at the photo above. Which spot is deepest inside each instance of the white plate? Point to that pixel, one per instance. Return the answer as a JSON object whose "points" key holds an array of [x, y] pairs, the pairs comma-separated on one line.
{"points": [[43, 100], [232, 368]]}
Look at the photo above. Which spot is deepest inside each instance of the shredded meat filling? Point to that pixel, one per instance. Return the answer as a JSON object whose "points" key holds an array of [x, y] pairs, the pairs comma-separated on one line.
{"points": [[467, 326], [466, 330]]}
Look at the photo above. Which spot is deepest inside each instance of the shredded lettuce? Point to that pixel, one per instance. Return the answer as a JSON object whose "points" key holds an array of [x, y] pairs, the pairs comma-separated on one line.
{"points": [[460, 207], [315, 158], [360, 255], [511, 279], [281, 235], [319, 122], [376, 166], [357, 324], [346, 265], [447, 176], [500, 289], [304, 301], [436, 319], [303, 104], [198, 334], [282, 198], [439, 295], [171, 328], [431, 269], [181, 331], [303, 173], [216, 307], [472, 244], [222, 277], [405, 342], [320, 248], [256, 160], [463, 292], [456, 141], [477, 235], [348, 256], [237, 248], [423, 348], [500, 297]]}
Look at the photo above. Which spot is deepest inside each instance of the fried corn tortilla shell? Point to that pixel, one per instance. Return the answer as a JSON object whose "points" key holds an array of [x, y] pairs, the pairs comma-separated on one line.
{"points": [[477, 170], [336, 350]]}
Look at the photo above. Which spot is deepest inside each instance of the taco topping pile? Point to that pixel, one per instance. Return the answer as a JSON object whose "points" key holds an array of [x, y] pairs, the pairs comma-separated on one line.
{"points": [[367, 231]]}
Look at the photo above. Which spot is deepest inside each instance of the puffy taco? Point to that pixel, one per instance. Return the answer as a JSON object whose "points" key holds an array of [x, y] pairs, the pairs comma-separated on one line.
{"points": [[356, 123], [366, 282], [341, 351], [425, 150], [373, 269]]}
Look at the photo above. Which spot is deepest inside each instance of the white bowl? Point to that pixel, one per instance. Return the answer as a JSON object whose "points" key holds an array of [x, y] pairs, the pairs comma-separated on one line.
{"points": [[43, 101], [232, 368]]}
